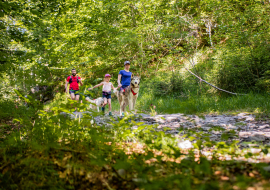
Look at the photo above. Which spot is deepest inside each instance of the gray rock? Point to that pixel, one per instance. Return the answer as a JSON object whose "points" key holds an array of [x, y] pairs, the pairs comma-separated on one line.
{"points": [[230, 126], [263, 126], [267, 135], [144, 115], [213, 137], [206, 128], [257, 137], [172, 119], [244, 134], [175, 125], [185, 145]]}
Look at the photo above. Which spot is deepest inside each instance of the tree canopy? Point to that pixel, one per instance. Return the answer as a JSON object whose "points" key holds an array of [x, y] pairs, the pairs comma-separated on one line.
{"points": [[45, 39]]}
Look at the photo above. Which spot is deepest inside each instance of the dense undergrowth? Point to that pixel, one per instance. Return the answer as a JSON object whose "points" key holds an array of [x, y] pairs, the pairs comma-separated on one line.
{"points": [[52, 151]]}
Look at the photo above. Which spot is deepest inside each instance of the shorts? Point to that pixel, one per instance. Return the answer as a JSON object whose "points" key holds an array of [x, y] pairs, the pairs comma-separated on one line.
{"points": [[106, 95], [76, 92], [123, 89]]}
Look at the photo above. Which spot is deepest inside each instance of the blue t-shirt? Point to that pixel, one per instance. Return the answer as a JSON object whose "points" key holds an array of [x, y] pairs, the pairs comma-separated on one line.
{"points": [[126, 78]]}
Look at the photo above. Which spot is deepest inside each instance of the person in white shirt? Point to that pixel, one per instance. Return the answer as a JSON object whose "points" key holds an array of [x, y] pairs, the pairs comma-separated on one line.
{"points": [[106, 92]]}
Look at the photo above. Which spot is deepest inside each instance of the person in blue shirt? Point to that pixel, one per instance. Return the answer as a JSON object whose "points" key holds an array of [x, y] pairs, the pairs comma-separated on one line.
{"points": [[124, 77]]}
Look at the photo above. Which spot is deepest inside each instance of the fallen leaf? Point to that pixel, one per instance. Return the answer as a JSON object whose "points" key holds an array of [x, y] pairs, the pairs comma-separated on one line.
{"points": [[224, 178]]}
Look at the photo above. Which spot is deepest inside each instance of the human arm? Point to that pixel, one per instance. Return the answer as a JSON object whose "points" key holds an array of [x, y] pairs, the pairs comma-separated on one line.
{"points": [[66, 86], [113, 87], [96, 86], [80, 80], [119, 79]]}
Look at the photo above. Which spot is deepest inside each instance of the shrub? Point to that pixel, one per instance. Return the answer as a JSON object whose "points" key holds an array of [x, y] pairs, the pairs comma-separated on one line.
{"points": [[10, 110], [164, 84], [244, 70]]}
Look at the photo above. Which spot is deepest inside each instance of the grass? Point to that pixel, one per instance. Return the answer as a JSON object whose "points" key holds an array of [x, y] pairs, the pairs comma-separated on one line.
{"points": [[258, 104], [253, 103]]}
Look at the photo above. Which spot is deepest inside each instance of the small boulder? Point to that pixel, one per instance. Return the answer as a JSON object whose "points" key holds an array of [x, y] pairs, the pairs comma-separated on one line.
{"points": [[257, 137], [185, 145]]}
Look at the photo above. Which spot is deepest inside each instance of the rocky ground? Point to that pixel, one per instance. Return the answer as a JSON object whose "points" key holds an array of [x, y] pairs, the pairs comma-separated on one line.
{"points": [[251, 133], [245, 126]]}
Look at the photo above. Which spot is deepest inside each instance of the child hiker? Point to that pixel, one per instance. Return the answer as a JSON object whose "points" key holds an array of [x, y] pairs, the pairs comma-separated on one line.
{"points": [[106, 92]]}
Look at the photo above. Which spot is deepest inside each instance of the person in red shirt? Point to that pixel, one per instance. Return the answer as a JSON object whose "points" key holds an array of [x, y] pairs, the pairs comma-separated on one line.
{"points": [[73, 82]]}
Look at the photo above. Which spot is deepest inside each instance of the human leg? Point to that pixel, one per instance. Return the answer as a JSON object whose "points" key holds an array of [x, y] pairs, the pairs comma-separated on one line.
{"points": [[110, 105], [122, 104], [104, 104], [72, 95], [77, 97]]}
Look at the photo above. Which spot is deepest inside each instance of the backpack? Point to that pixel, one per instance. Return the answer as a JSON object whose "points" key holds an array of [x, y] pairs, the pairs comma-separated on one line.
{"points": [[70, 79]]}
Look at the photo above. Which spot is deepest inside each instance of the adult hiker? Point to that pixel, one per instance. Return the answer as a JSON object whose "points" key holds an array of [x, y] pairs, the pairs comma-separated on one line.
{"points": [[124, 77], [73, 80]]}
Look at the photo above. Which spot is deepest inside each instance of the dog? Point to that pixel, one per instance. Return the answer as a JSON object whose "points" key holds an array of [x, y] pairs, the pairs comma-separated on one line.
{"points": [[96, 103], [130, 95]]}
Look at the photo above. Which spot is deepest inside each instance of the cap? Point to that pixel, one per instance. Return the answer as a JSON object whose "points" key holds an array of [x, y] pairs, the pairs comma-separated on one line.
{"points": [[126, 62], [107, 75]]}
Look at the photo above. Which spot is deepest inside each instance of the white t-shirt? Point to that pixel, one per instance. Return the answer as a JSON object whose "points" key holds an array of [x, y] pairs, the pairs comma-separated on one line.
{"points": [[107, 86]]}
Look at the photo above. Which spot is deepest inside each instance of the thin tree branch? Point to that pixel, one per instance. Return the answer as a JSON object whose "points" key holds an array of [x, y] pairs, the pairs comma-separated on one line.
{"points": [[211, 84]]}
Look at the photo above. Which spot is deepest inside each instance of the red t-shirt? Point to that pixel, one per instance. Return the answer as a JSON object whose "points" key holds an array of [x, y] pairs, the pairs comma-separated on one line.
{"points": [[74, 84]]}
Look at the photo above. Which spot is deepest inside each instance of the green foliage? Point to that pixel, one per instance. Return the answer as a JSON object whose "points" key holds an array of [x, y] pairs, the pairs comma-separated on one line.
{"points": [[57, 152], [41, 41], [10, 110], [242, 70], [164, 84]]}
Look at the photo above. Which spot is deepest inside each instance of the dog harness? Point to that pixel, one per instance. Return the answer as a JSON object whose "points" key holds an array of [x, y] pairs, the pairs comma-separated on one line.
{"points": [[133, 92]]}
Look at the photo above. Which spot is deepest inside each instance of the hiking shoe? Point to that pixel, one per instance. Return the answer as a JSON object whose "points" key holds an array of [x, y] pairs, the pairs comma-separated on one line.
{"points": [[103, 109], [123, 114], [110, 113]]}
